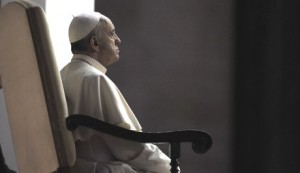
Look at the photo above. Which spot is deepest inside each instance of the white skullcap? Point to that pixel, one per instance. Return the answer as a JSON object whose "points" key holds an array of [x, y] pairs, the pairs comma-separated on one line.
{"points": [[82, 25]]}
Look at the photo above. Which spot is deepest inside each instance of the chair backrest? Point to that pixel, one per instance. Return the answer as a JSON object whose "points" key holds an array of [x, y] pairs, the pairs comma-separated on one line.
{"points": [[33, 93]]}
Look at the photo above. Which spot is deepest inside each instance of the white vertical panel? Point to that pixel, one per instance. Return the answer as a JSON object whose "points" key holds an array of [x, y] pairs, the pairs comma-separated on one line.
{"points": [[59, 15]]}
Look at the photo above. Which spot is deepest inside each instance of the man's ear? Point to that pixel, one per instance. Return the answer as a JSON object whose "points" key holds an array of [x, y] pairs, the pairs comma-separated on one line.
{"points": [[94, 43]]}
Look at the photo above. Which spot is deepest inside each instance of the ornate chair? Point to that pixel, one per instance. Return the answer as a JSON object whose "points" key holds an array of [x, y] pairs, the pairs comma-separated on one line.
{"points": [[35, 107]]}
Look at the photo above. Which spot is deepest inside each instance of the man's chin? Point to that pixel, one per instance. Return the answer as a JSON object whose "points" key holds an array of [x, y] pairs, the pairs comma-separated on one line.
{"points": [[114, 60], [117, 58]]}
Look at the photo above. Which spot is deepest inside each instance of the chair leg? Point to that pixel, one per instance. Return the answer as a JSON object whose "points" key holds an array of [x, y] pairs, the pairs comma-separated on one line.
{"points": [[175, 155]]}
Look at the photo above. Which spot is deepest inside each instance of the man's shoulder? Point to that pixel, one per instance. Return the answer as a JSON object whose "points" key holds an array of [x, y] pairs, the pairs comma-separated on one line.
{"points": [[80, 69], [77, 74]]}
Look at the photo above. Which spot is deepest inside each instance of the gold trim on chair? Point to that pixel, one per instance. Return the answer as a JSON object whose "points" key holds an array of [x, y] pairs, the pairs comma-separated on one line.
{"points": [[52, 85]]}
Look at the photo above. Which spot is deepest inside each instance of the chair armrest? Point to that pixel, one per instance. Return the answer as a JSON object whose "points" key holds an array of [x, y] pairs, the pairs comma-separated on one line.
{"points": [[201, 141]]}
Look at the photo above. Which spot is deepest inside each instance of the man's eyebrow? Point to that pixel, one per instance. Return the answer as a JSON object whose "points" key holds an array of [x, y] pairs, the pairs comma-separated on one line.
{"points": [[112, 31]]}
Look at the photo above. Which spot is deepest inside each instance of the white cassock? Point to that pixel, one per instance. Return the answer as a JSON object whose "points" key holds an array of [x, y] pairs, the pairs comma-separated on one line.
{"points": [[90, 92]]}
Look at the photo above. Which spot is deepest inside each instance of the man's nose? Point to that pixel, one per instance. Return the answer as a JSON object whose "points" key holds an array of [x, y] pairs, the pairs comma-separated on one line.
{"points": [[118, 41]]}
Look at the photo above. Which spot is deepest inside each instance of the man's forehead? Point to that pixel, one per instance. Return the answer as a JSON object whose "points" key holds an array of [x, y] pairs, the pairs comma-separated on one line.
{"points": [[110, 26]]}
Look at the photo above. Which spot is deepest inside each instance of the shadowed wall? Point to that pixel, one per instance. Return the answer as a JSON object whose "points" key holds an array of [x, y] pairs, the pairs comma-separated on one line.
{"points": [[267, 87], [174, 70]]}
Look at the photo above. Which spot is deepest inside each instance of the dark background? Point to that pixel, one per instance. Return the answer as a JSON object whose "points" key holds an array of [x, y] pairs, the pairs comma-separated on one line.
{"points": [[230, 68]]}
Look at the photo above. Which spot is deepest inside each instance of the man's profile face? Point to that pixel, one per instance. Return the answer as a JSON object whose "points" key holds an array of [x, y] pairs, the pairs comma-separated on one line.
{"points": [[110, 44]]}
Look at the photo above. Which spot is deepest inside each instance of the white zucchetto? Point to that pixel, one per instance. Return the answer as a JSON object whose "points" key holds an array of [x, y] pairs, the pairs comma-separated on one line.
{"points": [[82, 24]]}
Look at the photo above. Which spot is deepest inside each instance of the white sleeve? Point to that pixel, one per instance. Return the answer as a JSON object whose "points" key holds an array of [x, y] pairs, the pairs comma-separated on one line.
{"points": [[152, 159], [146, 157]]}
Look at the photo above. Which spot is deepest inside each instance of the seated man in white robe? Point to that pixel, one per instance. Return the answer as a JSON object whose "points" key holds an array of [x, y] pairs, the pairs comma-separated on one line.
{"points": [[90, 92]]}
